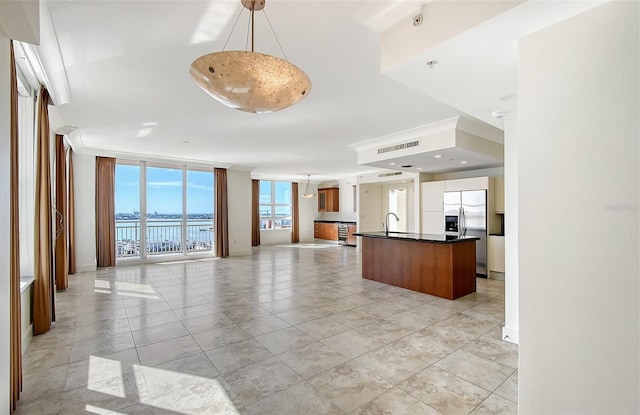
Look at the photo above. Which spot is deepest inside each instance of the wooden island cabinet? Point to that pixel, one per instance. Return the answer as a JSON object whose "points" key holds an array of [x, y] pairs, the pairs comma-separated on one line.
{"points": [[444, 266]]}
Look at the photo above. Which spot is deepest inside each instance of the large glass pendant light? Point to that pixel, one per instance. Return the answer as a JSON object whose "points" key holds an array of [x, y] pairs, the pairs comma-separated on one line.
{"points": [[308, 191], [250, 81]]}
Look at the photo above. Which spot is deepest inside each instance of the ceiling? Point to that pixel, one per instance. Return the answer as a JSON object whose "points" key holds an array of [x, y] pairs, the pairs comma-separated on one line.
{"points": [[127, 66]]}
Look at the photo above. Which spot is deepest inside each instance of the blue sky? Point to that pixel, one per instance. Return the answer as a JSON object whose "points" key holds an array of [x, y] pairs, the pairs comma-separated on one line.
{"points": [[282, 192], [164, 190]]}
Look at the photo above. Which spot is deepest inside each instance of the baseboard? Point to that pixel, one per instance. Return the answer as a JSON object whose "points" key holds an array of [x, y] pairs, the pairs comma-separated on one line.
{"points": [[510, 335], [86, 268], [27, 335], [496, 275], [240, 253]]}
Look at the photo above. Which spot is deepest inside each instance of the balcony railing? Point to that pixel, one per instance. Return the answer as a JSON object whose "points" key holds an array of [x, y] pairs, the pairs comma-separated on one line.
{"points": [[163, 237]]}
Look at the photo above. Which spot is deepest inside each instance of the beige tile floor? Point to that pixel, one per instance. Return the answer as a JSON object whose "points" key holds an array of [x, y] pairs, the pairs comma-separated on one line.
{"points": [[292, 329]]}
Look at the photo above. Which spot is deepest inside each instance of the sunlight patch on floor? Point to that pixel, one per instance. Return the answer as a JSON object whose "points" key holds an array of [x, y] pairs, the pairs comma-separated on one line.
{"points": [[182, 393]]}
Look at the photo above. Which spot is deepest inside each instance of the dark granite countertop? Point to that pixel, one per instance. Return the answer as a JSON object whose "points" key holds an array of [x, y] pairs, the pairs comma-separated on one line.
{"points": [[346, 222], [420, 237]]}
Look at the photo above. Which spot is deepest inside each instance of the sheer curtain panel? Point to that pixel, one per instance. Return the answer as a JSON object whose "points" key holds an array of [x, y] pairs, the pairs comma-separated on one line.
{"points": [[105, 211], [221, 213], [43, 284]]}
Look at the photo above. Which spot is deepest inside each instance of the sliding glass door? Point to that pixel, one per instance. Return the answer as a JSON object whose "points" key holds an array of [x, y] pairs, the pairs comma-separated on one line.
{"points": [[199, 208], [171, 205]]}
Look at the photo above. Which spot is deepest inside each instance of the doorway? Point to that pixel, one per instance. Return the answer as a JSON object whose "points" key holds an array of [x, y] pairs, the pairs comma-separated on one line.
{"points": [[397, 203]]}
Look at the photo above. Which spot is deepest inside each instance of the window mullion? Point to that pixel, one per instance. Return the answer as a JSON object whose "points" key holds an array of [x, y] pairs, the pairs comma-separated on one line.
{"points": [[183, 236], [143, 209], [273, 205]]}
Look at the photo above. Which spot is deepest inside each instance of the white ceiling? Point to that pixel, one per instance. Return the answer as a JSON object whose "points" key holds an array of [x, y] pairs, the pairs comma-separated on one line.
{"points": [[127, 64]]}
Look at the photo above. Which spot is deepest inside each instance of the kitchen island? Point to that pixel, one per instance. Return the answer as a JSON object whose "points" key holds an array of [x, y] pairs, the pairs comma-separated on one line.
{"points": [[440, 265]]}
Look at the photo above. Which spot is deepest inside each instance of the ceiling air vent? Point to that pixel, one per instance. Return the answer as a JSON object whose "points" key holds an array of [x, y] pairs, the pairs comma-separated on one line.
{"points": [[399, 147], [393, 173]]}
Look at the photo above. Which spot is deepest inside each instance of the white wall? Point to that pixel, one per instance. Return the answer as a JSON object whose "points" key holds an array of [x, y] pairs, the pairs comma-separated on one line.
{"points": [[578, 185], [239, 197], [84, 175], [308, 212], [5, 235], [511, 327], [346, 212], [370, 216], [275, 236]]}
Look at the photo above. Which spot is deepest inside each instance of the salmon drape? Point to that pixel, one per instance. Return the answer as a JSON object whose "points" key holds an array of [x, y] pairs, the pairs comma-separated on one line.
{"points": [[221, 224], [71, 216], [255, 212], [295, 214], [105, 212], [16, 312], [61, 248], [43, 293]]}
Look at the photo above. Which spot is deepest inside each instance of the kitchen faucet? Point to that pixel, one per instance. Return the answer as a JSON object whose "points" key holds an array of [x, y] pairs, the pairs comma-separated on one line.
{"points": [[386, 222]]}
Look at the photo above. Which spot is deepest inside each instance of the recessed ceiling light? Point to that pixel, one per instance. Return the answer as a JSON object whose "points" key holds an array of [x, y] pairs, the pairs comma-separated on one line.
{"points": [[431, 64], [419, 168], [463, 162], [186, 141], [498, 114], [437, 156], [392, 164]]}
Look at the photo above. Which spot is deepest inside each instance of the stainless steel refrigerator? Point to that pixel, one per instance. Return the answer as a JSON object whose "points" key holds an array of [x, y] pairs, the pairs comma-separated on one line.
{"points": [[466, 214]]}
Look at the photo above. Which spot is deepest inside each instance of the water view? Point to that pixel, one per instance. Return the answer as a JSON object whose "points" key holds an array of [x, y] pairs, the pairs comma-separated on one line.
{"points": [[163, 236]]}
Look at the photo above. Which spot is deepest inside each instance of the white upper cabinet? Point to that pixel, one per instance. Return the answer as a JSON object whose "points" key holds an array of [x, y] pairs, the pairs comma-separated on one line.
{"points": [[432, 196], [461, 185]]}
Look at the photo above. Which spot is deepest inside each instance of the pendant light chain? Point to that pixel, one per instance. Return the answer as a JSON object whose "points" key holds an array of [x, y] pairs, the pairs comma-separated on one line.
{"points": [[252, 29], [233, 28], [274, 35]]}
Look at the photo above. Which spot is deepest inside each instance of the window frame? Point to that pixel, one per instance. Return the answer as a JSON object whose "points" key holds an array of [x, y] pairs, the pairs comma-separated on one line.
{"points": [[273, 205], [184, 169]]}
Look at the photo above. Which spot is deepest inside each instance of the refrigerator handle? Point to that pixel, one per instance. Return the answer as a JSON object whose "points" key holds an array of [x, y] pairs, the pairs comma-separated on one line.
{"points": [[461, 225]]}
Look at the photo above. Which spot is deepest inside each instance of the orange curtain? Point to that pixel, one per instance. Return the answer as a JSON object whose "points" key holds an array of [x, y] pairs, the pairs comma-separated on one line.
{"points": [[255, 212], [221, 224], [295, 214], [61, 249], [43, 293], [105, 211], [16, 312], [71, 215]]}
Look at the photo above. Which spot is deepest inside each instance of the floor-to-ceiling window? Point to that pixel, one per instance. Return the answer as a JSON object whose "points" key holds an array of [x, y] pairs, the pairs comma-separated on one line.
{"points": [[163, 209], [199, 209], [127, 199], [275, 205]]}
